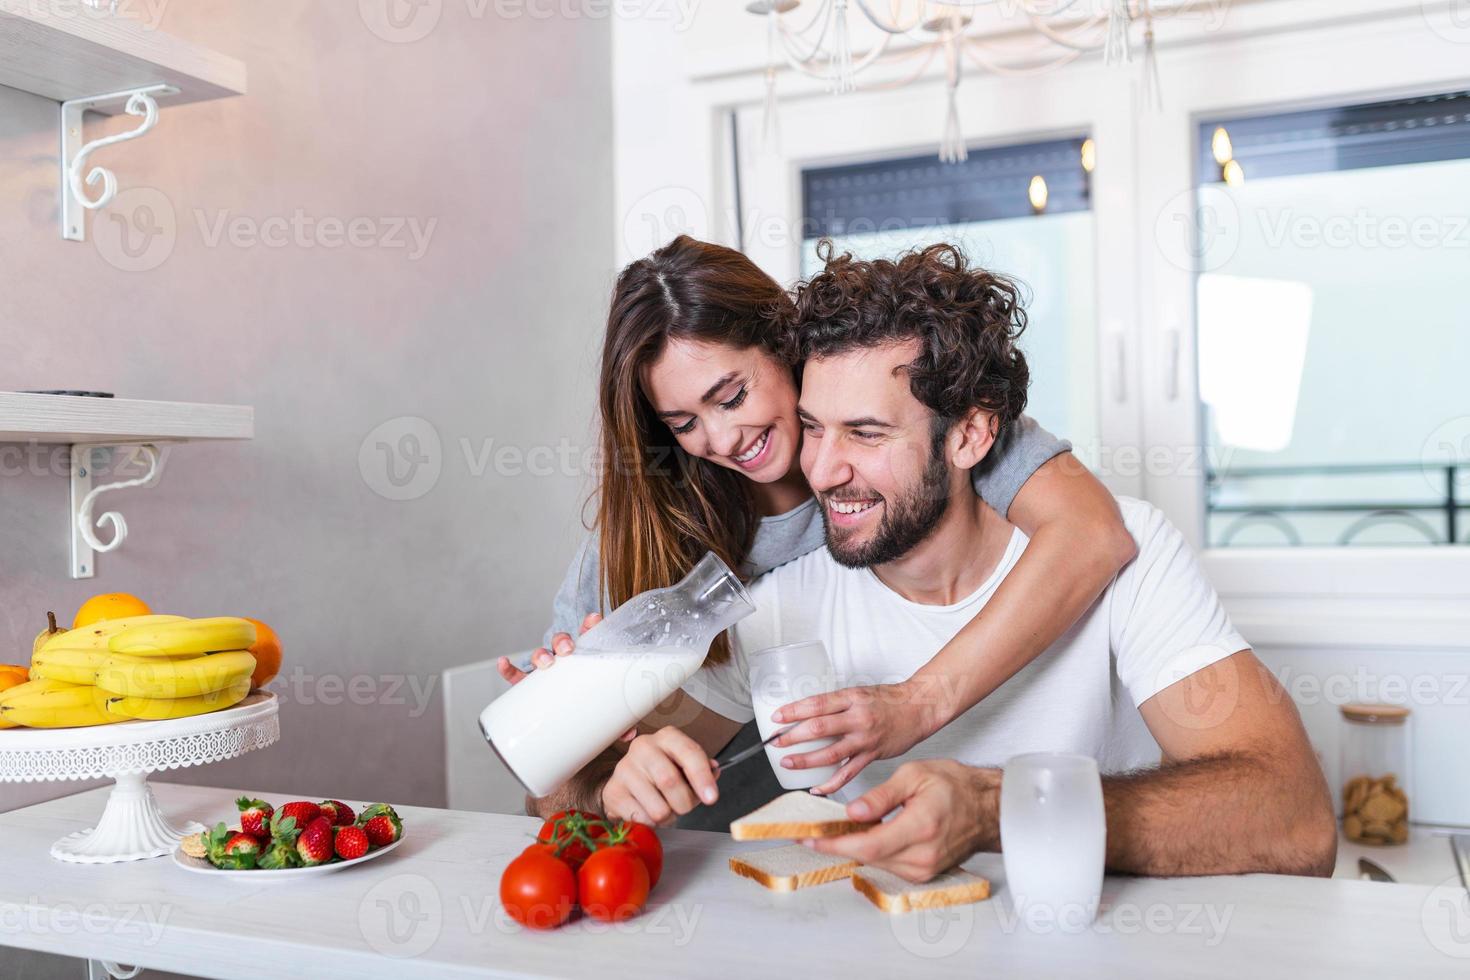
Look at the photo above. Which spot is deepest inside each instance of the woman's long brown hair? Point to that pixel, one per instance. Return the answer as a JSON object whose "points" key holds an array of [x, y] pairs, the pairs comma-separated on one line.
{"points": [[660, 509]]}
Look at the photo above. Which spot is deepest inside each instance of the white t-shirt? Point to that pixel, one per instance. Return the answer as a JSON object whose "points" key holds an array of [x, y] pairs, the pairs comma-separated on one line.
{"points": [[1158, 621]]}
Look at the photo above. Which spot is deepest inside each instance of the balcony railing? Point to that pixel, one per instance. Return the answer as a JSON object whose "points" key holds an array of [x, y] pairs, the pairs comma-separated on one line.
{"points": [[1283, 515]]}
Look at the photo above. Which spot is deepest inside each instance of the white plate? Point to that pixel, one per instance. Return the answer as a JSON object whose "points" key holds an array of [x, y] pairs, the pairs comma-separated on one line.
{"points": [[201, 866]]}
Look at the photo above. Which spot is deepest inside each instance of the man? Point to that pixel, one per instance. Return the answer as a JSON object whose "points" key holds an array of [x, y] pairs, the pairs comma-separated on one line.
{"points": [[911, 371]]}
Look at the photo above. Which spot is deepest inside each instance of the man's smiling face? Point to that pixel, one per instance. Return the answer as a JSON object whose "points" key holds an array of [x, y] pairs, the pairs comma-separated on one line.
{"points": [[870, 453]]}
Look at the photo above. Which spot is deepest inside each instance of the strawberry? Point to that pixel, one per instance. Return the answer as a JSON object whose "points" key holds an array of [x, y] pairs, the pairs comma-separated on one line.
{"points": [[303, 812], [255, 817], [350, 843], [381, 824], [277, 856], [232, 850], [314, 845], [339, 813]]}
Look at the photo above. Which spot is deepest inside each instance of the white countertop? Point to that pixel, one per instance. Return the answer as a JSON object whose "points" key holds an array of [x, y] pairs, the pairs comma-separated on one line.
{"points": [[429, 911]]}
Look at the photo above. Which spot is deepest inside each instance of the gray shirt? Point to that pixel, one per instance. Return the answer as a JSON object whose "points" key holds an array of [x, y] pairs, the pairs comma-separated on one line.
{"points": [[779, 539]]}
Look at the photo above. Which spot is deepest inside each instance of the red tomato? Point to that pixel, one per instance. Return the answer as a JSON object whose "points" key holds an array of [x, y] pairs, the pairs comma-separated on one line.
{"points": [[538, 890], [555, 830], [642, 839], [613, 884]]}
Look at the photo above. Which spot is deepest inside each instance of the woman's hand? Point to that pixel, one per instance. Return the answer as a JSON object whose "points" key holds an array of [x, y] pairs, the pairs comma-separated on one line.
{"points": [[564, 645], [542, 658], [877, 722]]}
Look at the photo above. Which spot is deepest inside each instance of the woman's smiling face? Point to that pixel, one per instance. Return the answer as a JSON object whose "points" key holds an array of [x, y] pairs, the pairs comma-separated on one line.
{"points": [[732, 406]]}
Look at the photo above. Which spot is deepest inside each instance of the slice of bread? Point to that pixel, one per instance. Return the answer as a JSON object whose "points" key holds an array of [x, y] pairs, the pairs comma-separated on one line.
{"points": [[894, 894], [796, 816], [787, 868]]}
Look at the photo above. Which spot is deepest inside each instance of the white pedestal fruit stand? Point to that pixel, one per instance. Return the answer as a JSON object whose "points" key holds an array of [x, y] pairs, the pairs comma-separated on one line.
{"points": [[132, 827]]}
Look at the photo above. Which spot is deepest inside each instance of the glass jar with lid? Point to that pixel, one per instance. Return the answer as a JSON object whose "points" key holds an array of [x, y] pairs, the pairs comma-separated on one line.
{"points": [[1375, 773]]}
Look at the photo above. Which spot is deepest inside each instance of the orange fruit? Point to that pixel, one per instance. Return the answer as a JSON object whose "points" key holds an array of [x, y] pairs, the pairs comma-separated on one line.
{"points": [[109, 605], [12, 675], [267, 652]]}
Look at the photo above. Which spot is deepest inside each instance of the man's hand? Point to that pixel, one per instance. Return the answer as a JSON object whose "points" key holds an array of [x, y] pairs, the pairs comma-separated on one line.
{"points": [[950, 811], [663, 775], [882, 721]]}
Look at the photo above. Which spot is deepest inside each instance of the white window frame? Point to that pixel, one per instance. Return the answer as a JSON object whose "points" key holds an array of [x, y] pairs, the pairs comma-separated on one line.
{"points": [[1149, 418]]}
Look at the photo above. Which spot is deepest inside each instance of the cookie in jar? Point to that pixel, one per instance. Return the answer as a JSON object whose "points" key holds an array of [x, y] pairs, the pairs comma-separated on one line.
{"points": [[1374, 770]]}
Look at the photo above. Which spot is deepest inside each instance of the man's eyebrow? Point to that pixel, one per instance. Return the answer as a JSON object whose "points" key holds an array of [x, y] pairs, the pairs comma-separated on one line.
{"points": [[867, 422], [705, 398]]}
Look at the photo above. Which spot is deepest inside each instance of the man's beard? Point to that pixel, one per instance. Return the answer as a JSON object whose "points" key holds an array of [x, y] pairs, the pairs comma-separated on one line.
{"points": [[906, 521]]}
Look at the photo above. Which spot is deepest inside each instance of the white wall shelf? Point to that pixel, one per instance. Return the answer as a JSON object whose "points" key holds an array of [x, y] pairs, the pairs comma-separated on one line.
{"points": [[116, 421], [68, 51], [91, 427], [103, 61]]}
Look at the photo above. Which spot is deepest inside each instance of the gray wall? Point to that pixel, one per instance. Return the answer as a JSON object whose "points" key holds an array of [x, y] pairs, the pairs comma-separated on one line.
{"points": [[495, 134]]}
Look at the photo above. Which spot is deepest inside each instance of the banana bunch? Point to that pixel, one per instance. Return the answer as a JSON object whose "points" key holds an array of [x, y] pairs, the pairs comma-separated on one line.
{"points": [[53, 704], [149, 667]]}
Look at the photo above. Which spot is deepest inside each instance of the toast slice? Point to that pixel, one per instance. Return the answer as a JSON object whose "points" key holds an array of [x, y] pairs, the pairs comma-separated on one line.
{"points": [[787, 868], [796, 815], [894, 895]]}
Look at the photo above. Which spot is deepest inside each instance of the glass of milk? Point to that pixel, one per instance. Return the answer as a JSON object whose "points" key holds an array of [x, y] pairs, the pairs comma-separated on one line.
{"points": [[779, 676], [1053, 836]]}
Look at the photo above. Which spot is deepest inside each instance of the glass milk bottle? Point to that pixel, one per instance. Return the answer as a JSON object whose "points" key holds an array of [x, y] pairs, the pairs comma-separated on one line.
{"points": [[1374, 772], [557, 720]]}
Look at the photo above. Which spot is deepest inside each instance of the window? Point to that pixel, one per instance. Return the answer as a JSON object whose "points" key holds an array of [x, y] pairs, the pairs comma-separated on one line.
{"points": [[1333, 343], [1022, 210]]}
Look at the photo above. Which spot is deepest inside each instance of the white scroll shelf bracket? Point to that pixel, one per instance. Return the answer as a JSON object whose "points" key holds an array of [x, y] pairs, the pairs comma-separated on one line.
{"points": [[85, 460], [75, 203]]}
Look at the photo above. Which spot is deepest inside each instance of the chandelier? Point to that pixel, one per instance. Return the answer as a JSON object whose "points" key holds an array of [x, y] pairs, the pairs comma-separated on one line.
{"points": [[814, 39]]}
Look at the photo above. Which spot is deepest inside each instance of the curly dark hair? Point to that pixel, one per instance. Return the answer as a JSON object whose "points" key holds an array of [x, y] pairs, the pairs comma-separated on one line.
{"points": [[966, 319]]}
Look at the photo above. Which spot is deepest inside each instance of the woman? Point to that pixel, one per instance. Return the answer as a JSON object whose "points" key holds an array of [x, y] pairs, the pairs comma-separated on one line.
{"points": [[700, 452]]}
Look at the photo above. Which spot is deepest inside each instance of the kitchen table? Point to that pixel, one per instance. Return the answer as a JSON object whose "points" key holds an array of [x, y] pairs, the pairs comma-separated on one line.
{"points": [[428, 911]]}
